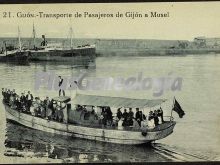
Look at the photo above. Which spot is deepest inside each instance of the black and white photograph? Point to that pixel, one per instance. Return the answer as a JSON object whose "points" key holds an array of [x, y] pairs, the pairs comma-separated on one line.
{"points": [[110, 82]]}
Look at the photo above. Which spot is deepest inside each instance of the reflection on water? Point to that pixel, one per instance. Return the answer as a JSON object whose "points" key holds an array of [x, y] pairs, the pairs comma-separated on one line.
{"points": [[24, 142]]}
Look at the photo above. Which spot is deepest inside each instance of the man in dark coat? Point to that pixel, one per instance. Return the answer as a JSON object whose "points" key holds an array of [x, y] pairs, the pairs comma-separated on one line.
{"points": [[7, 96], [4, 94], [17, 103], [109, 115], [156, 120], [151, 116], [138, 116], [160, 114], [46, 106], [29, 99], [13, 93], [130, 116], [119, 114], [23, 101], [125, 116]]}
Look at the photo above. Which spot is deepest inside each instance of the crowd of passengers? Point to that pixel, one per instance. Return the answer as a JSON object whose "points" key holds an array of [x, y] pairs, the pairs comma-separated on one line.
{"points": [[53, 110], [46, 108], [125, 119]]}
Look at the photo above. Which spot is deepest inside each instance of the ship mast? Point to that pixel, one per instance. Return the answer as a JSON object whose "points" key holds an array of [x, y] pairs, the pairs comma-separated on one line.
{"points": [[71, 37], [34, 35], [19, 39]]}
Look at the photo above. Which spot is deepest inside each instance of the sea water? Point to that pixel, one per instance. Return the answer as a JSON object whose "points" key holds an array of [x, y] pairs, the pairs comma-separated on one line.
{"points": [[196, 136]]}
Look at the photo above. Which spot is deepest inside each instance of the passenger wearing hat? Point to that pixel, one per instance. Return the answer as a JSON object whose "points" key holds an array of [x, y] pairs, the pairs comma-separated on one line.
{"points": [[17, 102], [29, 98], [7, 96], [125, 117], [4, 94], [13, 93], [23, 102], [12, 98], [156, 120], [36, 105], [160, 114], [130, 117], [52, 109], [42, 109], [119, 114], [23, 98], [138, 116], [60, 114], [55, 107], [46, 106]]}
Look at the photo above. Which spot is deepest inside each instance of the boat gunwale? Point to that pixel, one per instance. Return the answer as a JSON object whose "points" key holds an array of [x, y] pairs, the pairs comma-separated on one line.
{"points": [[171, 123]]}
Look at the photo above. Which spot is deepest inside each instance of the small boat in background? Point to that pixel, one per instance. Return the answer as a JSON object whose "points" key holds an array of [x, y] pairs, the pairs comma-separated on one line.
{"points": [[14, 55]]}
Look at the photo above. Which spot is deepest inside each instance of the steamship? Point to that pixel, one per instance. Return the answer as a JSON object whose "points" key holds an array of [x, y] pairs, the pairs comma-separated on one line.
{"points": [[83, 55]]}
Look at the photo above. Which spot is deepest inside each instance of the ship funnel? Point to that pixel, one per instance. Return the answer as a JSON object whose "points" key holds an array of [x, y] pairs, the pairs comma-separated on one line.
{"points": [[44, 42]]}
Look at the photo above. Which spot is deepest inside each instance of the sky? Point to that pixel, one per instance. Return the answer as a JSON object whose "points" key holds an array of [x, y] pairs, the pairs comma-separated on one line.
{"points": [[186, 20]]}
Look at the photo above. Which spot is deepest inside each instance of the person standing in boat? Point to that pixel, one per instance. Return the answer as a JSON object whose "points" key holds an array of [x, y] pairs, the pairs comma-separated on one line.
{"points": [[37, 110], [29, 98], [130, 117], [42, 109], [13, 93], [51, 110], [56, 108], [160, 114], [150, 122], [60, 112], [109, 116], [23, 101], [125, 117], [119, 114], [150, 116], [156, 120], [138, 116], [46, 106], [60, 86], [104, 116], [7, 96], [17, 103], [12, 98], [4, 94]]}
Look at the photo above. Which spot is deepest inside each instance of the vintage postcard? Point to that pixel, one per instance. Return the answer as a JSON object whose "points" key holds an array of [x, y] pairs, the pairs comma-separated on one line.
{"points": [[110, 83]]}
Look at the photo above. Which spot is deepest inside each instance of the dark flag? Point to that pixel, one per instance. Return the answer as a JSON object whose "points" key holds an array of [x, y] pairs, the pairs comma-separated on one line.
{"points": [[177, 108]]}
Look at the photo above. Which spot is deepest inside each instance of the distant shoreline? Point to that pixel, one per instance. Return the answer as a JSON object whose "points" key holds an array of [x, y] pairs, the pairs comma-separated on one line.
{"points": [[125, 47], [156, 52]]}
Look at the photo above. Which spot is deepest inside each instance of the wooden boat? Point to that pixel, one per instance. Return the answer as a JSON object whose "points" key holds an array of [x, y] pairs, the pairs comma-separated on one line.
{"points": [[87, 129]]}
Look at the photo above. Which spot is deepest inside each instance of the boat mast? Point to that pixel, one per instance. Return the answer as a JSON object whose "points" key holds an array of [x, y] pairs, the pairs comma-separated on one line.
{"points": [[6, 53], [71, 34], [71, 37], [34, 35], [19, 39]]}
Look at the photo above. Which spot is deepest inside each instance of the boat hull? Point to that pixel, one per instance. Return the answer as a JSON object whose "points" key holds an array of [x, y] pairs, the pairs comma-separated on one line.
{"points": [[77, 56], [97, 134], [17, 57]]}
